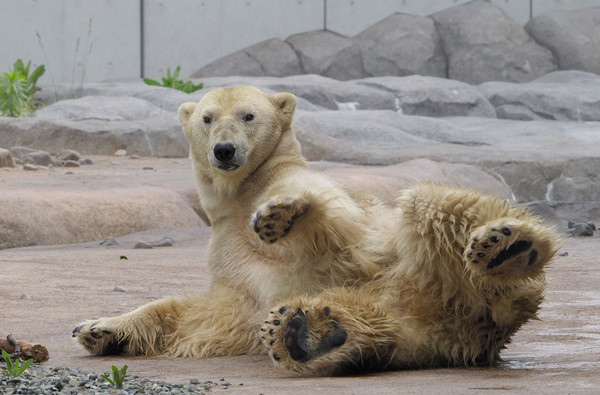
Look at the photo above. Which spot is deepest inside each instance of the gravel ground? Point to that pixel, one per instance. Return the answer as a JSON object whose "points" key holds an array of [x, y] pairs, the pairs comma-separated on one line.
{"points": [[48, 380]]}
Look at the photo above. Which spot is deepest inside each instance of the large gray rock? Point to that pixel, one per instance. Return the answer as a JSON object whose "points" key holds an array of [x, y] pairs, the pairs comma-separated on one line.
{"points": [[31, 156], [433, 97], [271, 57], [402, 44], [328, 54], [331, 94], [483, 44], [99, 108], [99, 125], [561, 95], [368, 137], [572, 36], [165, 98]]}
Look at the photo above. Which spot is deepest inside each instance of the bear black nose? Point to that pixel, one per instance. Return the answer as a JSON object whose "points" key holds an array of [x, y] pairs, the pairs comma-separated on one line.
{"points": [[224, 152]]}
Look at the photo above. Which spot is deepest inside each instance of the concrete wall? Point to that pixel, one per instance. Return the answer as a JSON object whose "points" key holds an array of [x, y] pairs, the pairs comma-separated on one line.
{"points": [[96, 40]]}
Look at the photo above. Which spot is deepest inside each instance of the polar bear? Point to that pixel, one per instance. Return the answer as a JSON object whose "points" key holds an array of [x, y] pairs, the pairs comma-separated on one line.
{"points": [[444, 278]]}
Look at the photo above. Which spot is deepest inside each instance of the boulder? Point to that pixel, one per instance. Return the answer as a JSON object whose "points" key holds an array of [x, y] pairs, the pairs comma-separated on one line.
{"points": [[328, 54], [401, 44], [164, 98], [99, 108], [271, 57], [433, 97], [99, 125], [61, 216], [482, 44], [330, 94], [368, 137], [572, 36], [561, 95], [31, 156]]}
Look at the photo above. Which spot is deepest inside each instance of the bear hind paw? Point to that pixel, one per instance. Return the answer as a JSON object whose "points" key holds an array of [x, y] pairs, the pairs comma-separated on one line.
{"points": [[294, 336], [501, 249]]}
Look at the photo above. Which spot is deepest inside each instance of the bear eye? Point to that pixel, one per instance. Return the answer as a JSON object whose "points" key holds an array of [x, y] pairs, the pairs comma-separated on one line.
{"points": [[248, 117], [207, 120]]}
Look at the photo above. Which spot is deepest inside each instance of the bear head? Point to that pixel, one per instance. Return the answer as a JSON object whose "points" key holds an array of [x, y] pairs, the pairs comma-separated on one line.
{"points": [[232, 131]]}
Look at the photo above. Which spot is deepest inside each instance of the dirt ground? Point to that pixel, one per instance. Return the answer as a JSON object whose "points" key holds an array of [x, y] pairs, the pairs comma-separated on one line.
{"points": [[66, 284]]}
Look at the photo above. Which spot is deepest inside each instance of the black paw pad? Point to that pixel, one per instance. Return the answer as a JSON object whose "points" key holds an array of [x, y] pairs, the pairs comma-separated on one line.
{"points": [[511, 252], [295, 337]]}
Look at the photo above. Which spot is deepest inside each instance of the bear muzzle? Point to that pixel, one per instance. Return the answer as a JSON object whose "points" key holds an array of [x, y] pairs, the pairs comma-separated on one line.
{"points": [[225, 156]]}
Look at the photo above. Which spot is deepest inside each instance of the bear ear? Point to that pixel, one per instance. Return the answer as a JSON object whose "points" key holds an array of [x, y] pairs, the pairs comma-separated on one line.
{"points": [[185, 112], [285, 105]]}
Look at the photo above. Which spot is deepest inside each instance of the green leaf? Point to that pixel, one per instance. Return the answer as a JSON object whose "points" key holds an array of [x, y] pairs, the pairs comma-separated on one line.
{"points": [[149, 81], [107, 379], [24, 366]]}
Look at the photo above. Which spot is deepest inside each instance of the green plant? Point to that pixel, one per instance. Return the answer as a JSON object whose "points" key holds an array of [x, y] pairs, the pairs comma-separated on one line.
{"points": [[172, 81], [118, 376], [17, 88], [12, 368]]}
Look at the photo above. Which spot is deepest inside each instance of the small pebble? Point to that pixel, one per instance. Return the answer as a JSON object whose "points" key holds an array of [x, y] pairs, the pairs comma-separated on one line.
{"points": [[120, 152], [86, 161], [147, 168], [109, 241], [30, 167], [142, 245], [24, 297], [164, 242], [134, 157], [71, 163], [118, 288]]}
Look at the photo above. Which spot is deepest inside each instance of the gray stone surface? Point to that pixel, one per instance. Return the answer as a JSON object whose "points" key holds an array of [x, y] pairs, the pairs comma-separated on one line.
{"points": [[328, 54], [433, 97], [402, 44], [31, 156], [272, 57], [572, 36], [483, 44], [561, 95], [99, 125]]}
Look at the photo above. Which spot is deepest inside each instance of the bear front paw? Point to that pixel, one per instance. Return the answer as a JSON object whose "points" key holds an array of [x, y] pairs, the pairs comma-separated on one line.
{"points": [[500, 249], [275, 219], [98, 338]]}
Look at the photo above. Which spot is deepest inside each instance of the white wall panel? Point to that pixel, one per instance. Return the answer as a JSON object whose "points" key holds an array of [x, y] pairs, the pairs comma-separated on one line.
{"points": [[192, 33], [113, 45], [350, 17], [543, 6]]}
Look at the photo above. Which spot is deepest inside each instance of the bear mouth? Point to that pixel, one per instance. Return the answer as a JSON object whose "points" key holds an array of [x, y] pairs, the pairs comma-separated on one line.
{"points": [[228, 166]]}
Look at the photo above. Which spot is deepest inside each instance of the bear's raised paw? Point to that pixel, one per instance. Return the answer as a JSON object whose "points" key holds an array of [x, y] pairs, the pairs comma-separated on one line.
{"points": [[274, 220], [501, 248]]}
